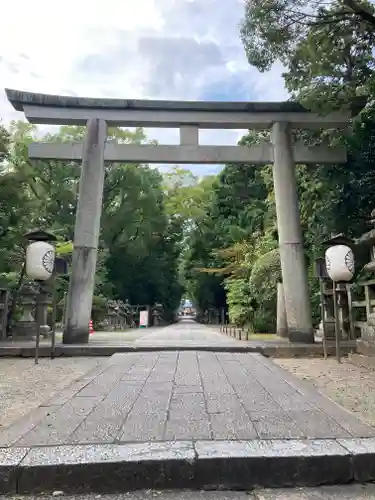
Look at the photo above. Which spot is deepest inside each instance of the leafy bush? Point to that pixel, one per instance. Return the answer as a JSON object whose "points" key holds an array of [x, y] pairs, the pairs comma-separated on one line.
{"points": [[265, 274]]}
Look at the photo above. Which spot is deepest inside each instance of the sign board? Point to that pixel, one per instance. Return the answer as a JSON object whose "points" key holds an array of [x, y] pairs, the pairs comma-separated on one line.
{"points": [[143, 319]]}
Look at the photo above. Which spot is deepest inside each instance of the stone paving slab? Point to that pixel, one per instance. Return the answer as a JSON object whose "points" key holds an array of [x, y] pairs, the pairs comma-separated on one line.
{"points": [[149, 495], [106, 349], [346, 492], [200, 465], [9, 462]]}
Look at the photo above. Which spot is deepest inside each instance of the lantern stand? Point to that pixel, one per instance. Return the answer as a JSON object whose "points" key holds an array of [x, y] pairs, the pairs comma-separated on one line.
{"points": [[339, 260], [321, 273], [40, 266], [60, 267]]}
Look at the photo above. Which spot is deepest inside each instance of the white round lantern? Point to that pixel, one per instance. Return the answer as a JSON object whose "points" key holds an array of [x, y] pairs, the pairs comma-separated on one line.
{"points": [[340, 263], [40, 260]]}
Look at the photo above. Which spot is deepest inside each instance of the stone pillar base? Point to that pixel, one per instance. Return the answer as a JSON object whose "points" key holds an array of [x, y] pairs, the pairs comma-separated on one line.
{"points": [[24, 331], [76, 336], [281, 324], [301, 336]]}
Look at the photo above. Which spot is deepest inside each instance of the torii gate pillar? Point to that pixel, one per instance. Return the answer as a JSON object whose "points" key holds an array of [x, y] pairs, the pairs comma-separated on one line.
{"points": [[293, 268], [86, 234]]}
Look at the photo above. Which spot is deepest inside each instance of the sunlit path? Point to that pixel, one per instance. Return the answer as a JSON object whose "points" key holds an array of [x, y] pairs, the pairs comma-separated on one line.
{"points": [[185, 332]]}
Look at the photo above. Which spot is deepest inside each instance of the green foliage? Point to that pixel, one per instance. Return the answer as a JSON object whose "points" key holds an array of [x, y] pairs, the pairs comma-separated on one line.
{"points": [[333, 65], [235, 260], [272, 30], [138, 255], [328, 52], [265, 274], [241, 308]]}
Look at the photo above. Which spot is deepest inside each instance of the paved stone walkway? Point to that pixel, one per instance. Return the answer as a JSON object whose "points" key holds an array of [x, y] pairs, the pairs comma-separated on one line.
{"points": [[201, 418], [186, 332], [164, 396]]}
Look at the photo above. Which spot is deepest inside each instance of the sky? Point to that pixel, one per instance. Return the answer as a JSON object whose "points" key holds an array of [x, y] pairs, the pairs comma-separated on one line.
{"points": [[132, 49]]}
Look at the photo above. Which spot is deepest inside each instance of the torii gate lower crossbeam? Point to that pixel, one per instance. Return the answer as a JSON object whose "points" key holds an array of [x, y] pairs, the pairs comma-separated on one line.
{"points": [[189, 117]]}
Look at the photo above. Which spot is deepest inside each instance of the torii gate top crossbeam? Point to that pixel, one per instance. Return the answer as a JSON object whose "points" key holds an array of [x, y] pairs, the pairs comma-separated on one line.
{"points": [[58, 110]]}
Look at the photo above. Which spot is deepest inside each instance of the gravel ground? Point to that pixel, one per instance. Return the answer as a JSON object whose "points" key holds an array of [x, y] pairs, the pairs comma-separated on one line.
{"points": [[24, 385], [351, 386]]}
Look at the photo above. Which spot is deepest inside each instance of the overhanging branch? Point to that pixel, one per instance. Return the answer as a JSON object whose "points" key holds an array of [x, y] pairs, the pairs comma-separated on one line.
{"points": [[361, 11]]}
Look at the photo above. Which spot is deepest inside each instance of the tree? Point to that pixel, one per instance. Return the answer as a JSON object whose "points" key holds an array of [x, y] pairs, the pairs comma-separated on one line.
{"points": [[238, 204], [332, 65], [142, 261], [328, 53], [272, 30], [235, 258], [138, 248], [15, 205]]}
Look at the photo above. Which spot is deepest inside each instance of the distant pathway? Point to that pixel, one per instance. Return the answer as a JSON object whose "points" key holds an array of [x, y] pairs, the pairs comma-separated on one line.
{"points": [[185, 332]]}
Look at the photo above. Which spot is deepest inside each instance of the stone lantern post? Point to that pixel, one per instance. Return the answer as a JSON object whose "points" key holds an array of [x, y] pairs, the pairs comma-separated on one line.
{"points": [[339, 260], [40, 266], [337, 241], [25, 328]]}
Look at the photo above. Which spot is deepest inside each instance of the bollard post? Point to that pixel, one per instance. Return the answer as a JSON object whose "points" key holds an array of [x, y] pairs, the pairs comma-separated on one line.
{"points": [[337, 323], [53, 325], [37, 338]]}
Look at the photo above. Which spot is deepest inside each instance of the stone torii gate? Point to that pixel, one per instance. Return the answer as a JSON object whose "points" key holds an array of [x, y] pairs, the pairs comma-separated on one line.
{"points": [[189, 117]]}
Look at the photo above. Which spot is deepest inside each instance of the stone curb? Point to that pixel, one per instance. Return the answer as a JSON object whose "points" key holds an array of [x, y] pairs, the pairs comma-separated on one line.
{"points": [[231, 465], [106, 351], [282, 351]]}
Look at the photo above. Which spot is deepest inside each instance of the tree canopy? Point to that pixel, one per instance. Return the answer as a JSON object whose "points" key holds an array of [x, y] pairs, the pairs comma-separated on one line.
{"points": [[138, 254], [326, 48]]}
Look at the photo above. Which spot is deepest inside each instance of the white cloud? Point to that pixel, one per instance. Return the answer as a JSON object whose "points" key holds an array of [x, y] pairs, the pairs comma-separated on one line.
{"points": [[176, 49]]}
